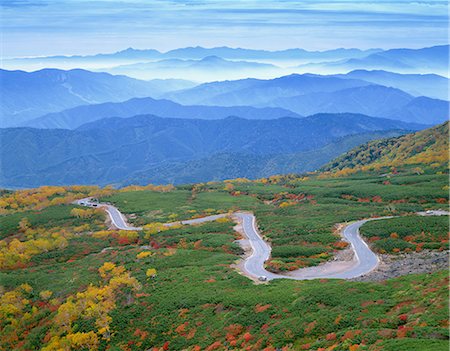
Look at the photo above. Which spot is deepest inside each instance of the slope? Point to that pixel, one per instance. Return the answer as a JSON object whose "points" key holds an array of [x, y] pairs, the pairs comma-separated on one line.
{"points": [[429, 146], [110, 150]]}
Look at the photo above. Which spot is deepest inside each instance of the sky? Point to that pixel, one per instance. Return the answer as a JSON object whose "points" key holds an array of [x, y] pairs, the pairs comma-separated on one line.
{"points": [[68, 27]]}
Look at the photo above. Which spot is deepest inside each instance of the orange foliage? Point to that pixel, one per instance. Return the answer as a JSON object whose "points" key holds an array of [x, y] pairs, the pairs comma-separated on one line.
{"points": [[261, 308]]}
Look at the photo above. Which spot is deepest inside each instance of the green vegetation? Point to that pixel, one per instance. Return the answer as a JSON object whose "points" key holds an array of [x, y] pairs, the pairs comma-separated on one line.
{"points": [[176, 289], [197, 300], [428, 147], [151, 206], [47, 218], [407, 233]]}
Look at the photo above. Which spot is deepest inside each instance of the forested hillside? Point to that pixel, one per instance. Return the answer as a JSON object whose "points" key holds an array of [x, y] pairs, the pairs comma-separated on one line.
{"points": [[429, 146]]}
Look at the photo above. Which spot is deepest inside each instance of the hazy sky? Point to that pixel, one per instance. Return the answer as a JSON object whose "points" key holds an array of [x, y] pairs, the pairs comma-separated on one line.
{"points": [[48, 27]]}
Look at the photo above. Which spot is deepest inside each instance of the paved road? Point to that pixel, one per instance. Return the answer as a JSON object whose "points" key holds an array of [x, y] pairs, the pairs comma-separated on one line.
{"points": [[119, 221], [363, 262], [116, 217]]}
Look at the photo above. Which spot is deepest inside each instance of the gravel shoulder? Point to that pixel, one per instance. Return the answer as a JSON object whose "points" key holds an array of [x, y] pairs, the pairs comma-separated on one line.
{"points": [[392, 266]]}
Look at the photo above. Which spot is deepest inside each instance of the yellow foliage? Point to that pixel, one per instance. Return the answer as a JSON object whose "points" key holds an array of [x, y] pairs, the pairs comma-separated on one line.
{"points": [[158, 188], [228, 187], [143, 254], [45, 294], [16, 252], [83, 213], [39, 198], [175, 226], [83, 340], [153, 228], [130, 235], [286, 204], [101, 234], [173, 216], [106, 268], [96, 302], [222, 220], [151, 272]]}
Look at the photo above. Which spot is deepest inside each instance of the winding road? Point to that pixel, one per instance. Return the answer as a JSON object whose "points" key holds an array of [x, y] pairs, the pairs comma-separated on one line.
{"points": [[364, 259]]}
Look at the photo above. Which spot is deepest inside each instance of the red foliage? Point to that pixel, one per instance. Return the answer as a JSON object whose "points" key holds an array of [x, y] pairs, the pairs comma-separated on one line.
{"points": [[363, 199], [403, 317], [214, 346], [331, 336], [123, 241], [247, 337], [402, 331], [261, 308], [340, 244], [310, 327], [181, 328], [348, 335], [234, 329], [377, 199]]}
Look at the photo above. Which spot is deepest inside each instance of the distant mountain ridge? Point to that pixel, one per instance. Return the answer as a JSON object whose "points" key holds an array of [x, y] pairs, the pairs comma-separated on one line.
{"points": [[208, 68], [44, 99], [430, 85], [308, 94], [433, 59], [111, 150], [199, 52], [75, 117], [29, 95], [258, 91], [372, 100]]}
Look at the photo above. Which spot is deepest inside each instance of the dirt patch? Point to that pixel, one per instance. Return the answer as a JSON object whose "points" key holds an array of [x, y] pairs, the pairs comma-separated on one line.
{"points": [[346, 254], [392, 266]]}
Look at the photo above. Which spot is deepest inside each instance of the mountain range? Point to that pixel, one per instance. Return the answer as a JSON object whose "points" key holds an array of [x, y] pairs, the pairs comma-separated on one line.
{"points": [[75, 117], [131, 55], [433, 59], [372, 100], [310, 94], [29, 95], [258, 91], [83, 127], [113, 150], [209, 68], [66, 99], [430, 85]]}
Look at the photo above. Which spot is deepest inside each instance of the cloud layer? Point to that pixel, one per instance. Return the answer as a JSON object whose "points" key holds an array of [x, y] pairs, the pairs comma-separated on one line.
{"points": [[33, 27]]}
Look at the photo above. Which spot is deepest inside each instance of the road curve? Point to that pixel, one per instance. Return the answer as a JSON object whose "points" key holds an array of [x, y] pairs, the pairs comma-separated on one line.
{"points": [[364, 260], [117, 218]]}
